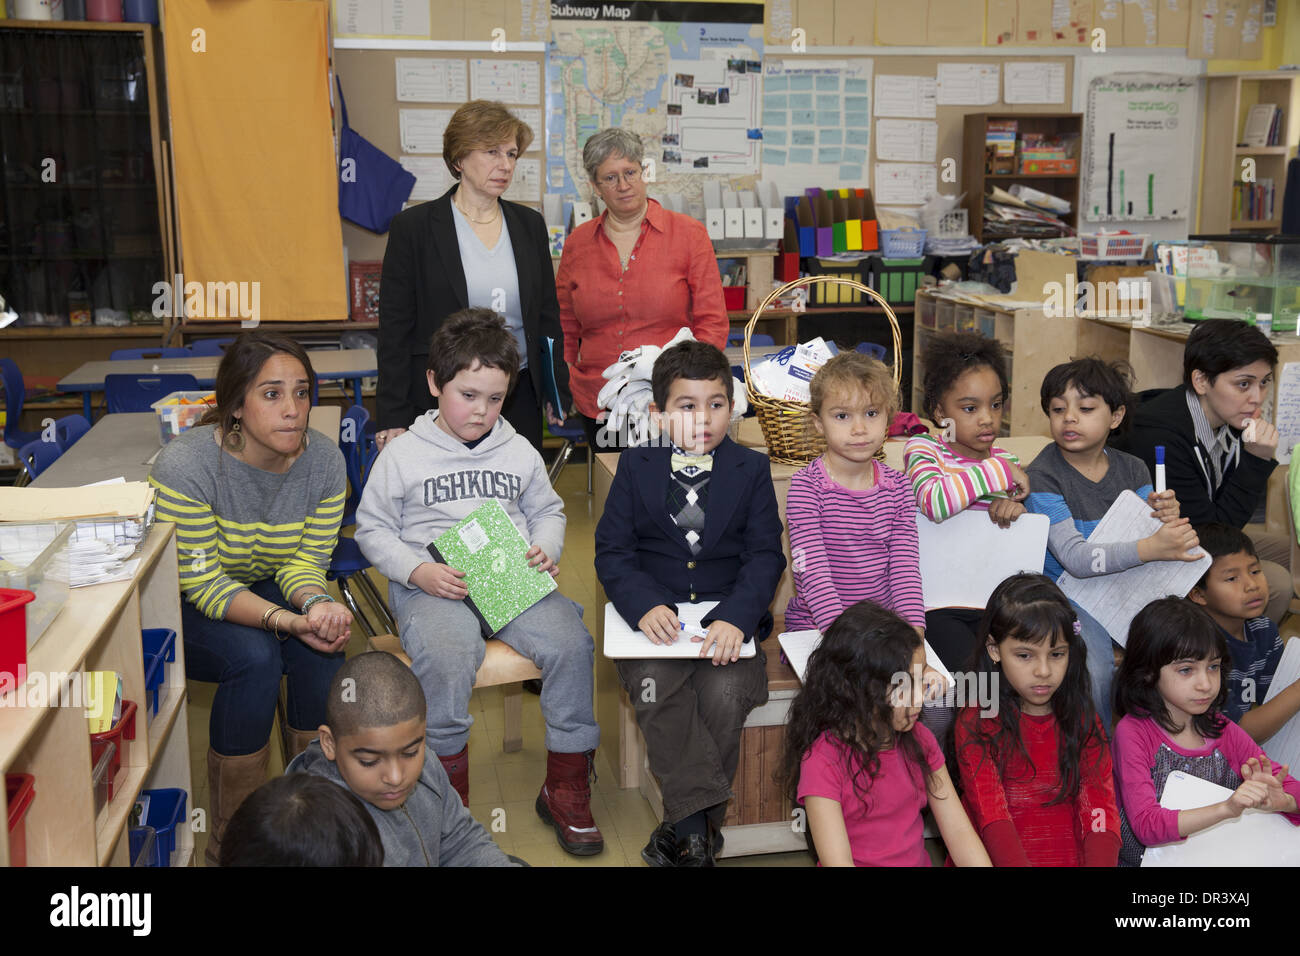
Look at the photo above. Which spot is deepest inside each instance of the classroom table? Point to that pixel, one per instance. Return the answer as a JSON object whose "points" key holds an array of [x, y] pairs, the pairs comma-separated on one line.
{"points": [[351, 365], [125, 445]]}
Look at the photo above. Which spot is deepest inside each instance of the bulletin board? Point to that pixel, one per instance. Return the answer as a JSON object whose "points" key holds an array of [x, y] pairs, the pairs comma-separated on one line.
{"points": [[370, 88]]}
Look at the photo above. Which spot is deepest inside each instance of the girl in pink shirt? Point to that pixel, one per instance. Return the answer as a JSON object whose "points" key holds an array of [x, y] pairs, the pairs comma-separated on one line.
{"points": [[855, 756], [1168, 693]]}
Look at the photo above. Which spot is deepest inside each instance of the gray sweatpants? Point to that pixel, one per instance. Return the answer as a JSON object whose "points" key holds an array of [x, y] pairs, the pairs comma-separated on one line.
{"points": [[443, 640]]}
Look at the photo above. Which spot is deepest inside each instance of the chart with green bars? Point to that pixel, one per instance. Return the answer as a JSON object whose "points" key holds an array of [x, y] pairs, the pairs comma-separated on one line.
{"points": [[1140, 131]]}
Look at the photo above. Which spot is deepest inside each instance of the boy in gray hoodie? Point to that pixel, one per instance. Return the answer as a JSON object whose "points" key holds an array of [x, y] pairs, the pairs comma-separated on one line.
{"points": [[373, 745], [452, 459]]}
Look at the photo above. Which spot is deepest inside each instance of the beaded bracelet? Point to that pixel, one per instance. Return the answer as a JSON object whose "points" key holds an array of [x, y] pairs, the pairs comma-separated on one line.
{"points": [[314, 600]]}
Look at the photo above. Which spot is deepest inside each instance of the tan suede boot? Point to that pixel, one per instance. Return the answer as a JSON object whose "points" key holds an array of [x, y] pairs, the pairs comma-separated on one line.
{"points": [[294, 742], [230, 781]]}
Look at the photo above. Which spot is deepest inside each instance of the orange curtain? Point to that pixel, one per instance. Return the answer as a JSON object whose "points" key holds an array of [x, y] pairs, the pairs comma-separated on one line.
{"points": [[253, 142]]}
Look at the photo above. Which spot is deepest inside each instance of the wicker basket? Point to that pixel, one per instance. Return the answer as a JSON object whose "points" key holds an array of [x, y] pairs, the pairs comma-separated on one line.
{"points": [[791, 440]]}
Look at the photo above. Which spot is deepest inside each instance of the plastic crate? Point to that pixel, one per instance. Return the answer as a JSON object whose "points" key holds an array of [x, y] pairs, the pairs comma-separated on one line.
{"points": [[181, 410], [829, 294], [124, 729], [36, 560], [898, 279], [166, 810], [144, 846], [159, 650], [902, 243], [733, 297], [1105, 245], [20, 790]]}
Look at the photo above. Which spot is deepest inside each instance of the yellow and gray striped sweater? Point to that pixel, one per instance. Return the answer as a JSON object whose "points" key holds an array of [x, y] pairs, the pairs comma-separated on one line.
{"points": [[236, 524]]}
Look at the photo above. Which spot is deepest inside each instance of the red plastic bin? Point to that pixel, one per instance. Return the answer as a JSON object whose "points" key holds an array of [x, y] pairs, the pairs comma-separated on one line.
{"points": [[20, 790], [124, 729], [13, 629]]}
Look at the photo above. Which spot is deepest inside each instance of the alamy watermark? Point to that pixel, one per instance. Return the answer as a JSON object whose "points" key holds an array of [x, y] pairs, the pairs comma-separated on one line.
{"points": [[212, 300], [1122, 298]]}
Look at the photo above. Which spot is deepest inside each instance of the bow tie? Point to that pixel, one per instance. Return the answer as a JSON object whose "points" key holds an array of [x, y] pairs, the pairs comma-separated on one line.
{"points": [[692, 465]]}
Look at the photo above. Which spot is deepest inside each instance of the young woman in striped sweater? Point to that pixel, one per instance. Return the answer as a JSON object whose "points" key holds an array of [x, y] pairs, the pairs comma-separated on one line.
{"points": [[965, 389], [257, 500]]}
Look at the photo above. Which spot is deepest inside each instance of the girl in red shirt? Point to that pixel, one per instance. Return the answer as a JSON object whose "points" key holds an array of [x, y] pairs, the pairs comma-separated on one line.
{"points": [[1032, 760]]}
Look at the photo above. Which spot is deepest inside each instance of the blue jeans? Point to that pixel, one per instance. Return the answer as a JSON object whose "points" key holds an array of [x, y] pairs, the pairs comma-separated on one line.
{"points": [[1101, 662], [246, 663]]}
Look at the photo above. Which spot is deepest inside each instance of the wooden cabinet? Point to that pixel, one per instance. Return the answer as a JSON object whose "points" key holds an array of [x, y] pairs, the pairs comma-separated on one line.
{"points": [[1228, 101], [975, 181], [99, 629]]}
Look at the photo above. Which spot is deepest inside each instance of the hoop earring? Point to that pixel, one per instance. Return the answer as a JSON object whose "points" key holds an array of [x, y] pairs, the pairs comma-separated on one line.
{"points": [[234, 438]]}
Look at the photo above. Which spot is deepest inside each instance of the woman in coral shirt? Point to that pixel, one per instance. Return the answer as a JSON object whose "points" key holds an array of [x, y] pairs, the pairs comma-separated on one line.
{"points": [[632, 276]]}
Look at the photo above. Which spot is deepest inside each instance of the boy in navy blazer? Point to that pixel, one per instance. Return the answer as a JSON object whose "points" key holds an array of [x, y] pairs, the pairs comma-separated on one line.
{"points": [[694, 521]]}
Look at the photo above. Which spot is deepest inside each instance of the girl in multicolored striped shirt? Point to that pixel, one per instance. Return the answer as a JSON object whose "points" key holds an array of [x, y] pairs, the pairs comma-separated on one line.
{"points": [[965, 388], [257, 500], [852, 530]]}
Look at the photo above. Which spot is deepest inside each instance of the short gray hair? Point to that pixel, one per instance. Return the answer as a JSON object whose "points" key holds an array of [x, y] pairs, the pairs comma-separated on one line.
{"points": [[611, 142]]}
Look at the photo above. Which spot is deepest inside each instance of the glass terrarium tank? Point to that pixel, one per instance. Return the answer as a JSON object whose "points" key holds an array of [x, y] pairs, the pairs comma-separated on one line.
{"points": [[1242, 277]]}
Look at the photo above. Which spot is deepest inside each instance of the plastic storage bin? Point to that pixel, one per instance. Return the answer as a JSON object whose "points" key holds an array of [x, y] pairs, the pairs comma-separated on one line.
{"points": [[898, 279], [13, 629], [159, 650], [144, 845], [830, 293], [181, 410], [1105, 245], [20, 790], [166, 810], [101, 777], [39, 555], [902, 243], [124, 729]]}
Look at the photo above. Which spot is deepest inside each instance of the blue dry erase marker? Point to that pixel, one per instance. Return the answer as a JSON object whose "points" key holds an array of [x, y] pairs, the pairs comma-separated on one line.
{"points": [[1160, 469]]}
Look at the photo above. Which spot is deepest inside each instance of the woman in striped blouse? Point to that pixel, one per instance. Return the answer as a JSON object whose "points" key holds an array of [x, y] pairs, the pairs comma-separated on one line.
{"points": [[965, 389], [257, 500]]}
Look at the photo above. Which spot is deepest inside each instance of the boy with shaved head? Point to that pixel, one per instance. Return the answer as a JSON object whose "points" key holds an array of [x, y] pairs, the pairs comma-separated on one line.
{"points": [[373, 744]]}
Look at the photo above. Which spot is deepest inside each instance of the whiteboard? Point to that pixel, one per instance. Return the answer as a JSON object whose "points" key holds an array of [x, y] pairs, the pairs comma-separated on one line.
{"points": [[966, 557]]}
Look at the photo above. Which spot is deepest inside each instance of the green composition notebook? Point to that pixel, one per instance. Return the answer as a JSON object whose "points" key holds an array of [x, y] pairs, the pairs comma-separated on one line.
{"points": [[487, 546]]}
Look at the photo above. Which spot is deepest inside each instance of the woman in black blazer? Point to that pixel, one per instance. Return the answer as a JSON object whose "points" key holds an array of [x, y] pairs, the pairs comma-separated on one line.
{"points": [[468, 248]]}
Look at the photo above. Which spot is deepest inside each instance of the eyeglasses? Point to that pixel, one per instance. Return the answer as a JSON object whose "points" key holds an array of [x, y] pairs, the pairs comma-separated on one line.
{"points": [[628, 176]]}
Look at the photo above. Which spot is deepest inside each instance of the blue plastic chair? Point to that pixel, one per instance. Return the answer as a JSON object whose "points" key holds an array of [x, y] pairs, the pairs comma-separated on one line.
{"points": [[209, 346], [872, 349], [737, 339], [356, 457], [15, 392], [68, 429], [347, 562], [574, 435], [156, 353], [137, 393], [35, 457]]}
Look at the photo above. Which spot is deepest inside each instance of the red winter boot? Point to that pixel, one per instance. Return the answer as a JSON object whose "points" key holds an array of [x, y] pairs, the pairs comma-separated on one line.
{"points": [[457, 767], [565, 802]]}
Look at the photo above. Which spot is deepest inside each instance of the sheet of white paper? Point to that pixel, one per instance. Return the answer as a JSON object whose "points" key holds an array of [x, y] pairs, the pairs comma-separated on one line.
{"points": [[526, 185], [431, 80], [799, 645], [1034, 83], [624, 643], [431, 176], [964, 558], [1288, 411], [1284, 746], [408, 18], [421, 130], [533, 117], [510, 81], [967, 84], [1253, 839], [907, 140], [358, 17], [905, 96], [1115, 599], [904, 184]]}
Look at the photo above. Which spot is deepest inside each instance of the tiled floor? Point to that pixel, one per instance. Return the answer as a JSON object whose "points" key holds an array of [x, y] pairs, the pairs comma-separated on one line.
{"points": [[504, 786]]}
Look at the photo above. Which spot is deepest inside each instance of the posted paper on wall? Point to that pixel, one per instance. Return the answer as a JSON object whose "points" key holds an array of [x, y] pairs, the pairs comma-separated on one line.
{"points": [[526, 185], [907, 140], [816, 122], [1288, 411], [421, 130], [1115, 599], [431, 80], [904, 184], [967, 84], [509, 81], [432, 177], [384, 18], [1034, 83], [1284, 746], [905, 96]]}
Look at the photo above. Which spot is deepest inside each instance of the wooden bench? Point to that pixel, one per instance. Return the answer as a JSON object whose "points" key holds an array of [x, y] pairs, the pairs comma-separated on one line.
{"points": [[502, 666]]}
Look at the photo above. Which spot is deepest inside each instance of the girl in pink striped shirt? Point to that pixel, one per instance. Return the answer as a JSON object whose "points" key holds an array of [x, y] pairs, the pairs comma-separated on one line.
{"points": [[852, 529], [965, 388]]}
